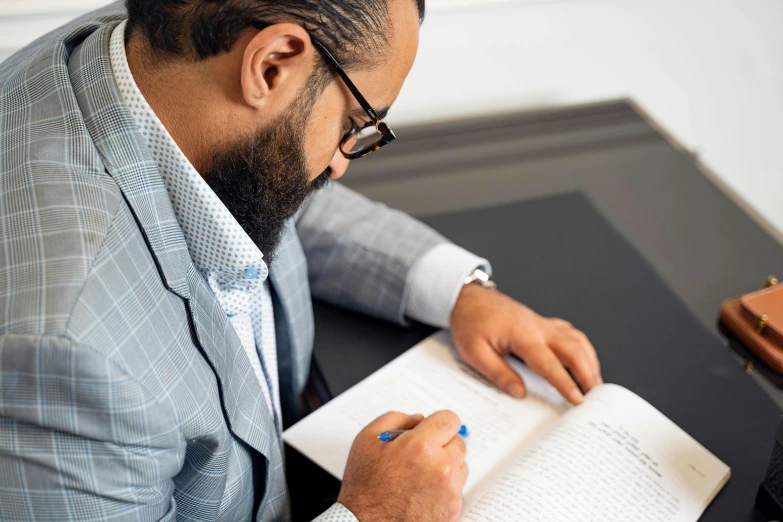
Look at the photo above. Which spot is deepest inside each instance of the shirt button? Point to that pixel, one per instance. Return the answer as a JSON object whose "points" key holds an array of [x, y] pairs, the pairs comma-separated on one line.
{"points": [[250, 273]]}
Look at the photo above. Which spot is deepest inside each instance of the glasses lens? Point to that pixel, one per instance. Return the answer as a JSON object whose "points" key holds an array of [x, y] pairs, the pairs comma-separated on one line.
{"points": [[364, 139]]}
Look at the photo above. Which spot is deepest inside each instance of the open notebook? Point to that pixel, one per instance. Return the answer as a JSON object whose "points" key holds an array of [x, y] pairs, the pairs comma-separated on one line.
{"points": [[613, 458]]}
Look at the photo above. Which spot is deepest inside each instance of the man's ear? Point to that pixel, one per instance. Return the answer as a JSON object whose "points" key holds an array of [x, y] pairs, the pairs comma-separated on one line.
{"points": [[276, 64]]}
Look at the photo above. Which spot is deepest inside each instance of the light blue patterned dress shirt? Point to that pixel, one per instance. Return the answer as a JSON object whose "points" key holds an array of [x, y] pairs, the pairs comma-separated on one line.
{"points": [[234, 267]]}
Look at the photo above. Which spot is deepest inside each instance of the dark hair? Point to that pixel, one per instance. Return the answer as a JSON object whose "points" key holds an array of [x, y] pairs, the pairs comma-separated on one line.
{"points": [[199, 29]]}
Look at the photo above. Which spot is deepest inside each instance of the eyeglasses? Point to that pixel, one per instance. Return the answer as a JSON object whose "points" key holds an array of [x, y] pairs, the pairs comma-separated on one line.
{"points": [[359, 141]]}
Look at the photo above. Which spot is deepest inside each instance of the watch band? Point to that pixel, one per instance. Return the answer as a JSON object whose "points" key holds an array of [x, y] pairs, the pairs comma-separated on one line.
{"points": [[481, 278]]}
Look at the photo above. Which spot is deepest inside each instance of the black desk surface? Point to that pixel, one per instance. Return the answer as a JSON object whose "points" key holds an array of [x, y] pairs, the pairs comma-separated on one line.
{"points": [[653, 322], [703, 241]]}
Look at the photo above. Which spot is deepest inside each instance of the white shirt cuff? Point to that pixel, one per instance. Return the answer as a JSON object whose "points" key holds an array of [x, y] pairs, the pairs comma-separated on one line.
{"points": [[436, 280], [336, 513]]}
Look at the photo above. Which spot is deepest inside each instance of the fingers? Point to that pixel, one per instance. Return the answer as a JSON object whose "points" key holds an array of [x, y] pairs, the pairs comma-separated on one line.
{"points": [[440, 427], [393, 420], [578, 354], [457, 450], [488, 362], [577, 362], [412, 422], [593, 357], [460, 476], [544, 362]]}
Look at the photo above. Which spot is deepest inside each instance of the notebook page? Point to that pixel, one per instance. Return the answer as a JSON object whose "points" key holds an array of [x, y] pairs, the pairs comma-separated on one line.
{"points": [[425, 379], [615, 458]]}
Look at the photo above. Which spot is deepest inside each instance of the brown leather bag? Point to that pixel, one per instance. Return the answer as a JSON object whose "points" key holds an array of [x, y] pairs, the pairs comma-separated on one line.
{"points": [[757, 321]]}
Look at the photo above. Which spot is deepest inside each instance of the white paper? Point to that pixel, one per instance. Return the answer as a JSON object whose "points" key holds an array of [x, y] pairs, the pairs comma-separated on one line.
{"points": [[615, 458], [425, 379]]}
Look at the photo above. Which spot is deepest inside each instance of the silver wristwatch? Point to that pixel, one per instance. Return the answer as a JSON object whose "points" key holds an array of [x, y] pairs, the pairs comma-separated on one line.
{"points": [[481, 278]]}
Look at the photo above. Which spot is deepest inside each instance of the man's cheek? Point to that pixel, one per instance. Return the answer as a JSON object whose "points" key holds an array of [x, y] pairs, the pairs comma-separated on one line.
{"points": [[319, 155]]}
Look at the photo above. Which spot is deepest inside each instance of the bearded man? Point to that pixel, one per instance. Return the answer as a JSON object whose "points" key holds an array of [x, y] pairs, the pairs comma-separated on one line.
{"points": [[162, 239]]}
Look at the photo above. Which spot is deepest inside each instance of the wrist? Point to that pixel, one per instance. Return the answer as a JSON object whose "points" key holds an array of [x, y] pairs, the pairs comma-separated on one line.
{"points": [[337, 511], [481, 278], [363, 511], [467, 295], [343, 509]]}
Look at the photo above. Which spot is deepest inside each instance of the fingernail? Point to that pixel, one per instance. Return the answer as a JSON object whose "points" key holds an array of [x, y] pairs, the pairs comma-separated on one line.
{"points": [[600, 380], [516, 390], [576, 396]]}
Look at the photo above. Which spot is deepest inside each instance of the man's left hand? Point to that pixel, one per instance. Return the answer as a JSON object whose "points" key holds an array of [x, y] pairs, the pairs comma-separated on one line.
{"points": [[487, 325]]}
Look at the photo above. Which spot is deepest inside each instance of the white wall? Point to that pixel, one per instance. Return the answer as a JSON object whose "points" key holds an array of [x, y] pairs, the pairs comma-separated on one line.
{"points": [[710, 71], [22, 21]]}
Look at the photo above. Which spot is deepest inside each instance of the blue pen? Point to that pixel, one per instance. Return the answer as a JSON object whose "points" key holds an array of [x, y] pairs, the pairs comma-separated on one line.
{"points": [[388, 436]]}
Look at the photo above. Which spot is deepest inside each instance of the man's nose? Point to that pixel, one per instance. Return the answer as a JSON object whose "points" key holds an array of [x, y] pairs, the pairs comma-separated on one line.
{"points": [[339, 164]]}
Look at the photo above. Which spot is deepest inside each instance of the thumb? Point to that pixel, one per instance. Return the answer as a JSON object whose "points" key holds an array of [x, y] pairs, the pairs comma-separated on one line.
{"points": [[488, 362]]}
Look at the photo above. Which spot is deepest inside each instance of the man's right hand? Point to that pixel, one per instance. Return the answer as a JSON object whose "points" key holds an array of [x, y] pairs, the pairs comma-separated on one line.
{"points": [[417, 477]]}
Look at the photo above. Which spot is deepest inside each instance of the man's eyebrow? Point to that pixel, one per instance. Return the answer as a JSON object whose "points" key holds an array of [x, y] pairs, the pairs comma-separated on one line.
{"points": [[361, 112]]}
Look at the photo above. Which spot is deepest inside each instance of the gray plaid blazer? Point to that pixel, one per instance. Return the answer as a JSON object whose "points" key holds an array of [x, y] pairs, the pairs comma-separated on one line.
{"points": [[125, 393]]}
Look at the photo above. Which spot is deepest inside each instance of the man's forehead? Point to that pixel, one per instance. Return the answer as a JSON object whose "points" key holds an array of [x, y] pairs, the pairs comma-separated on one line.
{"points": [[382, 80]]}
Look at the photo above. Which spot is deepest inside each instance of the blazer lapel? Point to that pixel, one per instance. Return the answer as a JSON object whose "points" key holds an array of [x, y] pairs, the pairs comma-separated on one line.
{"points": [[128, 160], [293, 312], [246, 408]]}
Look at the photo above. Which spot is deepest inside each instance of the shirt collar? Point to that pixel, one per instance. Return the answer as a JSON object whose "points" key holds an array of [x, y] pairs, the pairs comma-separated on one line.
{"points": [[220, 248]]}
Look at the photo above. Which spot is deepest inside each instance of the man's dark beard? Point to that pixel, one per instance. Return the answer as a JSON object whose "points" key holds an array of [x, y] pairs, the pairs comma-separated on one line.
{"points": [[263, 179]]}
